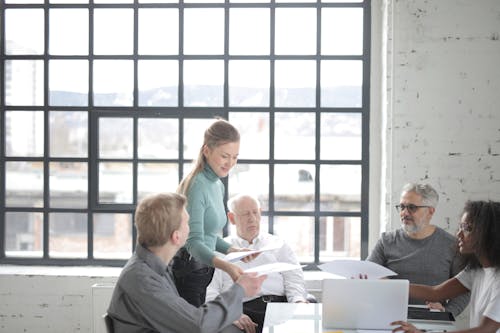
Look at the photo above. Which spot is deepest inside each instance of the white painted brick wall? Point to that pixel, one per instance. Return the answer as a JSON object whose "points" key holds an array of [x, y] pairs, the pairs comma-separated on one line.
{"points": [[48, 300], [445, 102]]}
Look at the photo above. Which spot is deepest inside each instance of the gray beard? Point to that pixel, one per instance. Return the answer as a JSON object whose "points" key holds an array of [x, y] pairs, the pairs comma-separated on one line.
{"points": [[411, 229]]}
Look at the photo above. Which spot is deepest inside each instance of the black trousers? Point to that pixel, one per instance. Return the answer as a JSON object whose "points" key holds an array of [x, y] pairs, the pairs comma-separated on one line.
{"points": [[256, 308], [191, 277]]}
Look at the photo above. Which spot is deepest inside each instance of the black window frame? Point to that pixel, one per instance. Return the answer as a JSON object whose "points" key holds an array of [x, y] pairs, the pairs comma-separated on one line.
{"points": [[180, 112]]}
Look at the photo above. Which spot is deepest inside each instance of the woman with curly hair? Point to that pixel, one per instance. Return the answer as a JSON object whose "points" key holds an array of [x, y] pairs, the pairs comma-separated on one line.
{"points": [[479, 240]]}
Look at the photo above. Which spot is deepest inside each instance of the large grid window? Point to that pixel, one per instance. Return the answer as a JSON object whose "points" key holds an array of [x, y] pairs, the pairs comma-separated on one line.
{"points": [[105, 101]]}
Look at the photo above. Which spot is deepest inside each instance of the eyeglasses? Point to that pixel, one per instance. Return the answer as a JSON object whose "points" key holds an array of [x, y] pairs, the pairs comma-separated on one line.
{"points": [[465, 227], [410, 208]]}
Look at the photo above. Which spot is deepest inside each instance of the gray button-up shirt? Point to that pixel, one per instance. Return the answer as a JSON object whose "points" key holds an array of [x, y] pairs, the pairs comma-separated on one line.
{"points": [[145, 299]]}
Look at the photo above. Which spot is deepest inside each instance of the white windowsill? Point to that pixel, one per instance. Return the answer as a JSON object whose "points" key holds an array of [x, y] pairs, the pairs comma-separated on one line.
{"points": [[89, 271], [99, 271]]}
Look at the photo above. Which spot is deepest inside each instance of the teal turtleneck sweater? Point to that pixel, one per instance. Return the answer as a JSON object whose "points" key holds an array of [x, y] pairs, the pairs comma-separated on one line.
{"points": [[207, 216]]}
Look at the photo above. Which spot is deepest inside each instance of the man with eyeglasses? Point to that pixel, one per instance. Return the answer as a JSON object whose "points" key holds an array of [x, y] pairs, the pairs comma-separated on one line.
{"points": [[420, 251], [244, 214]]}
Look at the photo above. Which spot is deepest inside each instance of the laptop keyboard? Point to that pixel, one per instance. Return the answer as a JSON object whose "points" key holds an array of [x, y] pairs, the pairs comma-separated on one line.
{"points": [[425, 314]]}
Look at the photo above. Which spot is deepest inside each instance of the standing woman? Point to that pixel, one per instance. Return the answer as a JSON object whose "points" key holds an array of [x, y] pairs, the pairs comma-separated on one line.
{"points": [[479, 238], [193, 266]]}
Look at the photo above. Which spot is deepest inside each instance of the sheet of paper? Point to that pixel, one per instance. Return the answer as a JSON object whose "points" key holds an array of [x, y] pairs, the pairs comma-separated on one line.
{"points": [[276, 267], [235, 256], [353, 268]]}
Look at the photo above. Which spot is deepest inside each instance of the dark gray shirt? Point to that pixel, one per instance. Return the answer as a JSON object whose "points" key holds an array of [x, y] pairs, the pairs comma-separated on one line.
{"points": [[428, 261], [145, 299]]}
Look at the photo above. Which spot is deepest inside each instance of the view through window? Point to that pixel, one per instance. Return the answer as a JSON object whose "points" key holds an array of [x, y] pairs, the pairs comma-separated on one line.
{"points": [[105, 102]]}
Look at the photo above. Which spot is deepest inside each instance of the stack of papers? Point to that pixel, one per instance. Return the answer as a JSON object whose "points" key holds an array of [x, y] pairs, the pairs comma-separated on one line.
{"points": [[352, 269], [235, 256], [276, 267]]}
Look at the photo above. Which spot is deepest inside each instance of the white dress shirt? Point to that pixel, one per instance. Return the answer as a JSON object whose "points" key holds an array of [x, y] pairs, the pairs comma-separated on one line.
{"points": [[289, 283]]}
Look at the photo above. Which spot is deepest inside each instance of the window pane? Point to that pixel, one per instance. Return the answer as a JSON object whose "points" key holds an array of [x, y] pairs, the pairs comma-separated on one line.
{"points": [[69, 31], [68, 184], [113, 1], [341, 136], [113, 82], [24, 184], [22, 38], [249, 83], [68, 82], [158, 82], [187, 167], [112, 236], [340, 187], [158, 1], [295, 83], [115, 183], [156, 177], [295, 31], [115, 38], [24, 1], [249, 1], [204, 31], [254, 133], [24, 133], [25, 78], [299, 234], [116, 138], [68, 235], [295, 135], [340, 238], [153, 21], [250, 178], [23, 234], [339, 1], [68, 133], [204, 1], [193, 136], [158, 138], [342, 31], [249, 31], [203, 82], [294, 1], [341, 82], [294, 187], [68, 1]]}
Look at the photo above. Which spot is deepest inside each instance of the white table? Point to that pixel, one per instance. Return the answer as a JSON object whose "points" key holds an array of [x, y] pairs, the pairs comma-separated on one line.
{"points": [[306, 318]]}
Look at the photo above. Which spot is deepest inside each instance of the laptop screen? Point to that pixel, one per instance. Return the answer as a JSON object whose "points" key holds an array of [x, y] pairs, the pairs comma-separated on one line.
{"points": [[364, 304]]}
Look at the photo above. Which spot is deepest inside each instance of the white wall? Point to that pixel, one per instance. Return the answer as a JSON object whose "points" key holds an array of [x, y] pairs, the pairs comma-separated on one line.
{"points": [[435, 95], [49, 299], [443, 117]]}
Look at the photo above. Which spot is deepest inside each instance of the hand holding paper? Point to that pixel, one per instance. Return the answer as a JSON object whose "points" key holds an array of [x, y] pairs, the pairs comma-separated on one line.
{"points": [[235, 256], [276, 267], [355, 268]]}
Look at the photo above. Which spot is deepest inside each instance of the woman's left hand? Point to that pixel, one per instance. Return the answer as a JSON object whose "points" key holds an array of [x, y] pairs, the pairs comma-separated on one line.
{"points": [[405, 327], [234, 271]]}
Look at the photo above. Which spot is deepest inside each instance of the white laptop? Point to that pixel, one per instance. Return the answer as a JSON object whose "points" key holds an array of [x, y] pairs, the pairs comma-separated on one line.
{"points": [[364, 304]]}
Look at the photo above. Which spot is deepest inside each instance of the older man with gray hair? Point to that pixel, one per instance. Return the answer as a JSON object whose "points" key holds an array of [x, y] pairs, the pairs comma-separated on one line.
{"points": [[420, 251], [244, 214]]}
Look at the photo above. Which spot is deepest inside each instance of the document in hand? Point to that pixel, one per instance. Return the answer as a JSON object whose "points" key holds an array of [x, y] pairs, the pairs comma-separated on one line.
{"points": [[353, 269], [235, 256], [275, 267]]}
